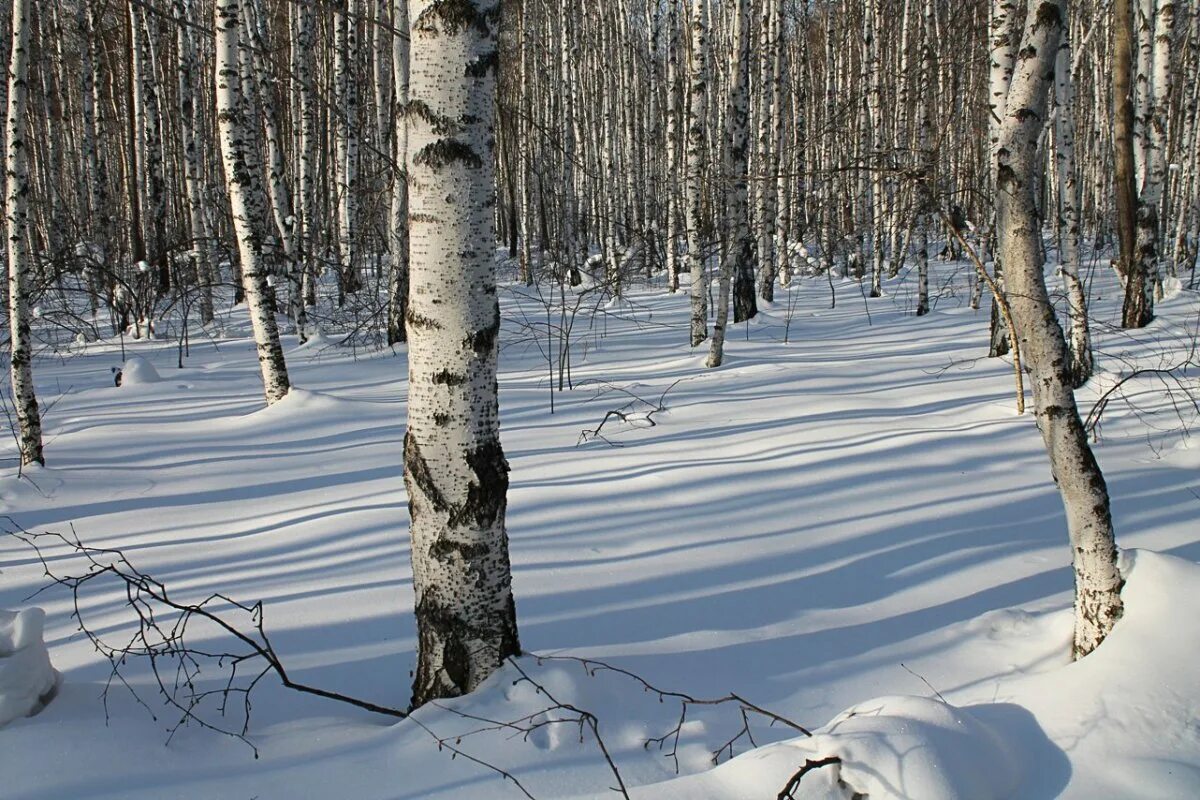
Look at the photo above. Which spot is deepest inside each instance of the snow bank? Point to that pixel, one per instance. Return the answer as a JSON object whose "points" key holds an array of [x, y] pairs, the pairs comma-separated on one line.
{"points": [[917, 747], [138, 371], [1122, 722], [26, 677]]}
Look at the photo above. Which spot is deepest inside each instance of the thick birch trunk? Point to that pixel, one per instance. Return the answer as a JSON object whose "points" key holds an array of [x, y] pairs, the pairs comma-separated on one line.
{"points": [[454, 466], [1084, 494]]}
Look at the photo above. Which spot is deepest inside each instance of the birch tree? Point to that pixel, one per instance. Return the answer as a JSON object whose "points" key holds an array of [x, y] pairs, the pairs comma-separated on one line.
{"points": [[398, 229], [454, 466], [1134, 311], [735, 168], [1081, 485], [697, 94], [20, 267], [1079, 338], [241, 182]]}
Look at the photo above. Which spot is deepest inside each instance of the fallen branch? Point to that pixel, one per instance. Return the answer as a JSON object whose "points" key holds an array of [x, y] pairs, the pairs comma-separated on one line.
{"points": [[163, 638], [789, 791]]}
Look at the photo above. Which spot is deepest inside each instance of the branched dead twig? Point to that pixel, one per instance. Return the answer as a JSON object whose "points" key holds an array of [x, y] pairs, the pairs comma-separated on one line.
{"points": [[745, 708], [627, 413], [164, 637], [789, 791]]}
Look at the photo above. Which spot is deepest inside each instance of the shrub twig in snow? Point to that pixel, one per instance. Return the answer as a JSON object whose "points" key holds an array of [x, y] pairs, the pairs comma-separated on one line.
{"points": [[162, 637]]}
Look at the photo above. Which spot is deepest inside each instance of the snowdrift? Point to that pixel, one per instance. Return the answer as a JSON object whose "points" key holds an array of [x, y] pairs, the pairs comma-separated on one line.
{"points": [[1122, 723], [27, 680]]}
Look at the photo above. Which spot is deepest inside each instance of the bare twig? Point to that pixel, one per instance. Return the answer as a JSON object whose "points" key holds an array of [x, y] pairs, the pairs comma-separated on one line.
{"points": [[788, 791]]}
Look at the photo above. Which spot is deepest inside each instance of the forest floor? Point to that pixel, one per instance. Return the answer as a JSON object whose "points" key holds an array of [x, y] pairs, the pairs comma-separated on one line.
{"points": [[856, 514]]}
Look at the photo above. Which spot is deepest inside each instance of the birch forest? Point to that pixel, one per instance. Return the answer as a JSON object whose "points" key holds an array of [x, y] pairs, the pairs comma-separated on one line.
{"points": [[698, 331], [870, 132]]}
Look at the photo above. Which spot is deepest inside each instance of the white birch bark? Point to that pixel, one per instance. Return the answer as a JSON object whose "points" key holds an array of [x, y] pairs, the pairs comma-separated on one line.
{"points": [[188, 68], [764, 188], [673, 150], [345, 141], [1005, 31], [924, 219], [735, 168], [20, 266], [302, 59], [695, 168], [1154, 120], [1081, 485], [150, 139], [278, 192], [241, 181], [1079, 336], [398, 228], [454, 466]]}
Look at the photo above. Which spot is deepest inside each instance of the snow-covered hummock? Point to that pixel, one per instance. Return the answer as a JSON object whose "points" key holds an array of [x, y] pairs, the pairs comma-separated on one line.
{"points": [[26, 677], [1105, 726], [138, 371]]}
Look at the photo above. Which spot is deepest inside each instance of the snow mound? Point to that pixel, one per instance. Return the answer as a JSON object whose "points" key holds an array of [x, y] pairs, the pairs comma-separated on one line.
{"points": [[26, 678], [297, 408], [138, 371], [1171, 287], [904, 747]]}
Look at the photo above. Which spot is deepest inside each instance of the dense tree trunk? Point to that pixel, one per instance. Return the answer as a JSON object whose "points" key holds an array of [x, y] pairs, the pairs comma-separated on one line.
{"points": [[1084, 494], [1079, 338], [241, 182], [454, 466], [735, 169], [1138, 309], [20, 266], [697, 93], [398, 229]]}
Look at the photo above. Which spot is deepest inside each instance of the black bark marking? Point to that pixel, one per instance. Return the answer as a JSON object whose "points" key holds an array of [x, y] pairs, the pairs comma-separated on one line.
{"points": [[445, 547], [447, 378], [417, 320], [482, 340], [486, 495], [443, 152], [488, 62], [418, 472], [441, 124], [454, 16]]}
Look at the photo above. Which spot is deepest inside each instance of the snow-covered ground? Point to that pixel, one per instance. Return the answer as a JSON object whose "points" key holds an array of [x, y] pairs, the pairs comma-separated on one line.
{"points": [[856, 520]]}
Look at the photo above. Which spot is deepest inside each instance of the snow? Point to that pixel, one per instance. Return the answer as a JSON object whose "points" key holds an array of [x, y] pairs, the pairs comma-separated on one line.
{"points": [[854, 520], [138, 371], [26, 678]]}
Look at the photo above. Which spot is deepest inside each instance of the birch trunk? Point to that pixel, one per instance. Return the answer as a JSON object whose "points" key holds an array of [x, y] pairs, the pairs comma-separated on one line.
{"points": [[673, 160], [241, 184], [735, 169], [695, 170], [1079, 337], [20, 266], [1124, 163], [398, 230], [1004, 32], [253, 21], [345, 142], [454, 466], [188, 68], [302, 58], [1084, 494]]}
